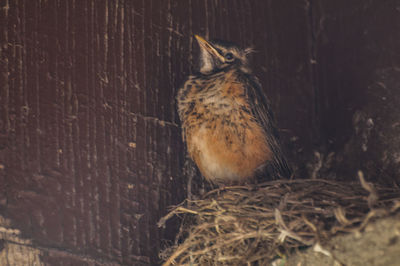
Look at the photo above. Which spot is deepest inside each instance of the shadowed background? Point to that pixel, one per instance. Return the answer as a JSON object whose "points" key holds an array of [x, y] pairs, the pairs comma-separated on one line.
{"points": [[90, 147]]}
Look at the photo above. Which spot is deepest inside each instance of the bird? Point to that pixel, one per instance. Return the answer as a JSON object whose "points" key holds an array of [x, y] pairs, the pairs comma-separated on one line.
{"points": [[226, 121]]}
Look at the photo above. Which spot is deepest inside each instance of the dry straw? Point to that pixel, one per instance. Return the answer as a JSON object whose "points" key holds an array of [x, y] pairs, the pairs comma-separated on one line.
{"points": [[244, 225]]}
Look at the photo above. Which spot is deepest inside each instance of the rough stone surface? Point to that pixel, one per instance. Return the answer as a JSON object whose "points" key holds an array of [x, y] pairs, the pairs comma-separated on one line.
{"points": [[377, 245]]}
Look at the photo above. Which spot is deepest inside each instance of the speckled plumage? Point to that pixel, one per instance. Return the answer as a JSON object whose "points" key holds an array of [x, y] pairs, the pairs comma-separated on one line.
{"points": [[226, 122]]}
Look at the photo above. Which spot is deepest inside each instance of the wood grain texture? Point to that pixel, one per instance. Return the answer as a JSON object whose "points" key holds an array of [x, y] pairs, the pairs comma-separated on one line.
{"points": [[88, 127]]}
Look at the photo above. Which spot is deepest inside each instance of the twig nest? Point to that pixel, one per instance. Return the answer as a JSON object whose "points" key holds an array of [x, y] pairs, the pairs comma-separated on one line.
{"points": [[244, 225]]}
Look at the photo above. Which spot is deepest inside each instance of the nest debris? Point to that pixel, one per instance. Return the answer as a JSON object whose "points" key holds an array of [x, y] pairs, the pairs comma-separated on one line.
{"points": [[244, 225]]}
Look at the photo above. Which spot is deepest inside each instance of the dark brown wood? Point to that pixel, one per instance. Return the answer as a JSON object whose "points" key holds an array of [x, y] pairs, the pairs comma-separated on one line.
{"points": [[357, 80], [90, 147], [91, 151]]}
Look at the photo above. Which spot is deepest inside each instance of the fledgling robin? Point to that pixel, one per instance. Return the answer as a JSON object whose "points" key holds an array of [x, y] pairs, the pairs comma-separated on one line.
{"points": [[226, 121]]}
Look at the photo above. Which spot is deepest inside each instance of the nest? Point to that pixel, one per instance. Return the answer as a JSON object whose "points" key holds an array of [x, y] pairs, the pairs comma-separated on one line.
{"points": [[244, 225]]}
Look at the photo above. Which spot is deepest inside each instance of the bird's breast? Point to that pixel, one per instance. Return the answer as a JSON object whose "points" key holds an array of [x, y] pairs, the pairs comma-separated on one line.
{"points": [[222, 135]]}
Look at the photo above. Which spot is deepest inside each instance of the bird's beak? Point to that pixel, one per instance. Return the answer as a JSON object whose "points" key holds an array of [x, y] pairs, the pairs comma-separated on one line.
{"points": [[205, 45]]}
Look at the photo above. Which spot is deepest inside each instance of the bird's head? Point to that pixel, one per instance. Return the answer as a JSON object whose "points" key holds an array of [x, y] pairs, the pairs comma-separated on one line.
{"points": [[217, 55]]}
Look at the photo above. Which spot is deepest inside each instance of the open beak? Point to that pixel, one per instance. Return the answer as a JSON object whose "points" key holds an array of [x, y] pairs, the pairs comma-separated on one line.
{"points": [[208, 47]]}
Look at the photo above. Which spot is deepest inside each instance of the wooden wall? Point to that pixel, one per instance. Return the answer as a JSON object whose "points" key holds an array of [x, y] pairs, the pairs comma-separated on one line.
{"points": [[90, 146]]}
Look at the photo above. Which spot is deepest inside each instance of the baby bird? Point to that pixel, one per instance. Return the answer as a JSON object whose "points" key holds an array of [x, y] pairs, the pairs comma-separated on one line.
{"points": [[226, 121]]}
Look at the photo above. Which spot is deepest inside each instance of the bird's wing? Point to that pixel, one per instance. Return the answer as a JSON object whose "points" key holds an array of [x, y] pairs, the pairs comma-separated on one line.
{"points": [[263, 114]]}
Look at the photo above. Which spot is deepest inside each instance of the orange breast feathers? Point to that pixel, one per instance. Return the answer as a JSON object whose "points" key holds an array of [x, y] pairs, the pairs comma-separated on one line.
{"points": [[225, 141]]}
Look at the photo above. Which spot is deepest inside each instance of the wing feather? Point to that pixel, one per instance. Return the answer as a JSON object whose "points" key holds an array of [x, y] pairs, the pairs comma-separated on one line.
{"points": [[263, 114]]}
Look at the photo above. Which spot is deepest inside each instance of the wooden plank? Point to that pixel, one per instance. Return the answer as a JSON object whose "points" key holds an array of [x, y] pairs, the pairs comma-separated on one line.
{"points": [[90, 147]]}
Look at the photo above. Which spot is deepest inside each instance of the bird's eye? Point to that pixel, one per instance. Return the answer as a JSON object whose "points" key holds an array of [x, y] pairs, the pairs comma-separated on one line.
{"points": [[229, 56]]}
